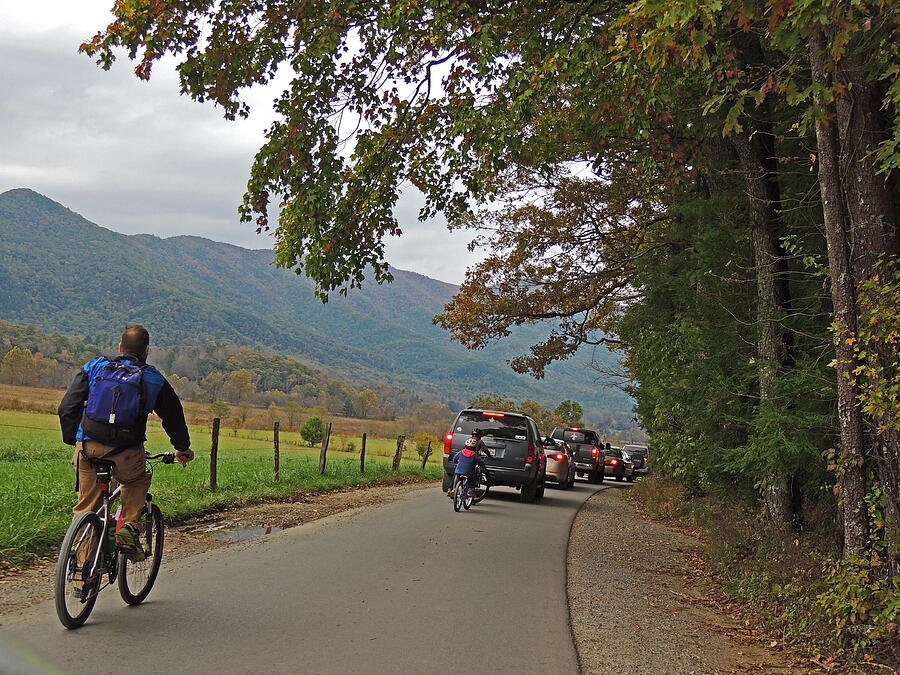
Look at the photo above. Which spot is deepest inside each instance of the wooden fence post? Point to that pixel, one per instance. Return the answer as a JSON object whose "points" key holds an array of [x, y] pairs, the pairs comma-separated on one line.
{"points": [[275, 437], [325, 439], [214, 455], [427, 452], [396, 464], [362, 456]]}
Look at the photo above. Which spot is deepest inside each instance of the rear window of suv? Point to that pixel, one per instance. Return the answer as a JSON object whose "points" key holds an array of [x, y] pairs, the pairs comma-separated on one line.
{"points": [[507, 426], [579, 436]]}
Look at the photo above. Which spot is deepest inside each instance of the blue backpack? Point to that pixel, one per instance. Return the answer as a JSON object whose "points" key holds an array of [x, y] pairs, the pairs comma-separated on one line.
{"points": [[114, 412]]}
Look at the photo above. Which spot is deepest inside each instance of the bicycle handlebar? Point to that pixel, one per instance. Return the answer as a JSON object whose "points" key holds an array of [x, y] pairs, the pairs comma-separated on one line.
{"points": [[166, 457]]}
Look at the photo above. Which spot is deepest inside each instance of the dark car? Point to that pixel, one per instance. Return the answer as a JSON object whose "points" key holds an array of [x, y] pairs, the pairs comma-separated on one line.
{"points": [[637, 455], [587, 449], [516, 454], [616, 466]]}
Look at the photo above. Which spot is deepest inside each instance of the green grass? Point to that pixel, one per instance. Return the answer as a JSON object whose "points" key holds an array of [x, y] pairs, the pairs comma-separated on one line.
{"points": [[37, 479]]}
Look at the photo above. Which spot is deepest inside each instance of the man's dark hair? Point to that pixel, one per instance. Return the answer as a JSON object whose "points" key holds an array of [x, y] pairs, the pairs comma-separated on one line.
{"points": [[135, 340]]}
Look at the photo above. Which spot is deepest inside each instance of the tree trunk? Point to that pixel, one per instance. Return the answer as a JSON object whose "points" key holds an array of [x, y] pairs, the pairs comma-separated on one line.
{"points": [[851, 476], [775, 343], [874, 236]]}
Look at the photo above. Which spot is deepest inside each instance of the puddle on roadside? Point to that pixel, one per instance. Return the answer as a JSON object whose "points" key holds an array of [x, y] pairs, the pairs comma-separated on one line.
{"points": [[242, 533]]}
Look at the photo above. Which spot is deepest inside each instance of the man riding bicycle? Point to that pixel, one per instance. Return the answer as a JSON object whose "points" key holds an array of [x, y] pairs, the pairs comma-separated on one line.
{"points": [[106, 384]]}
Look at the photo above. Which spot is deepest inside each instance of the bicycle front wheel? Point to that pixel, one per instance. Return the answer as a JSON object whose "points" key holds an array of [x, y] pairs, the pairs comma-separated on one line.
{"points": [[136, 578], [75, 588]]}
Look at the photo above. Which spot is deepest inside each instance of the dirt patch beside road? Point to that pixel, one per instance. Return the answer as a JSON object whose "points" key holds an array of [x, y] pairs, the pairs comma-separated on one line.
{"points": [[21, 588], [637, 605]]}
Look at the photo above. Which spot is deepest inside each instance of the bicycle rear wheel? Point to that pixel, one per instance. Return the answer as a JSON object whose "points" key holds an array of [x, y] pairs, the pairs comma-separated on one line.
{"points": [[462, 487], [75, 589], [136, 578], [482, 486]]}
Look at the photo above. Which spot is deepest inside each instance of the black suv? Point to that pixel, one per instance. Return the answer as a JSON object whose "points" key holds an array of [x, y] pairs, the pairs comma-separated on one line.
{"points": [[514, 443], [588, 450]]}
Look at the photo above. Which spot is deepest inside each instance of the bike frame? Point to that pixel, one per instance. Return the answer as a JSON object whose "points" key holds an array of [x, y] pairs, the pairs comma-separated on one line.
{"points": [[464, 480], [104, 475], [109, 499]]}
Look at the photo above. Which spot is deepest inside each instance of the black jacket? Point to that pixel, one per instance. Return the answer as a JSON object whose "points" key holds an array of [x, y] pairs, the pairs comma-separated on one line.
{"points": [[167, 406]]}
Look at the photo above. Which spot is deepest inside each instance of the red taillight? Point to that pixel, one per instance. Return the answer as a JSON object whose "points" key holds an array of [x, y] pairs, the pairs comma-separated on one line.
{"points": [[612, 461], [558, 456], [529, 454], [448, 441], [574, 428], [493, 414], [594, 452]]}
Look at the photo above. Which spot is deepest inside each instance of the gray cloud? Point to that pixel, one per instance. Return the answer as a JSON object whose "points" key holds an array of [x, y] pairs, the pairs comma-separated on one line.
{"points": [[137, 157]]}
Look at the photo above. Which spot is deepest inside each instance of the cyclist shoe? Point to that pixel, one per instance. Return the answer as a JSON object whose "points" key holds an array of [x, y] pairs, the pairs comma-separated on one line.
{"points": [[128, 540], [471, 492]]}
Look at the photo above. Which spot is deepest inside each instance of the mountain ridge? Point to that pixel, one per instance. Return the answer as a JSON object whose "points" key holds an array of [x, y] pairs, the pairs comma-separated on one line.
{"points": [[64, 273]]}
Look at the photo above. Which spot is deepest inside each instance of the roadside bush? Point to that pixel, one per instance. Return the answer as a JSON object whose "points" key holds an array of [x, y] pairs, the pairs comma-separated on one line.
{"points": [[861, 592], [661, 496], [421, 441], [313, 431]]}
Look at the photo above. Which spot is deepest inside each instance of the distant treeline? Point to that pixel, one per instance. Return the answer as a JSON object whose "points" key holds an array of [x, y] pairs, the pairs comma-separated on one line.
{"points": [[213, 372], [243, 375]]}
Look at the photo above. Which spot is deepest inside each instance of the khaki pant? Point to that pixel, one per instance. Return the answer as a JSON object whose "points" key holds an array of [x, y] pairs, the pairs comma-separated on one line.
{"points": [[130, 470]]}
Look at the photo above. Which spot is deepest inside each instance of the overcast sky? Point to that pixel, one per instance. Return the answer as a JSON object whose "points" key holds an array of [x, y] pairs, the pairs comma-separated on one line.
{"points": [[137, 157]]}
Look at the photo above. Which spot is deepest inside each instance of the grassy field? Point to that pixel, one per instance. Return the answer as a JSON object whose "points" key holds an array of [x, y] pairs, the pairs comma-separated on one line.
{"points": [[37, 480]]}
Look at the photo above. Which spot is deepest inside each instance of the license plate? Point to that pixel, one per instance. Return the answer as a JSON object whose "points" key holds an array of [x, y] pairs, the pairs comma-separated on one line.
{"points": [[499, 452]]}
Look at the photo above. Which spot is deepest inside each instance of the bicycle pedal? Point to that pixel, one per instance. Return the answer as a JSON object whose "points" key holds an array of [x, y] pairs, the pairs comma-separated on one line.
{"points": [[84, 593]]}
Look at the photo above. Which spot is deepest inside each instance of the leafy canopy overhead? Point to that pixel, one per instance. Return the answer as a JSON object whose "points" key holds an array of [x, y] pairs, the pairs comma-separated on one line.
{"points": [[443, 95]]}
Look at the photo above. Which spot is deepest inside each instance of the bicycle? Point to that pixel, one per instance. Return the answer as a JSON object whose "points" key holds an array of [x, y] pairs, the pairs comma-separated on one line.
{"points": [[461, 497], [89, 551]]}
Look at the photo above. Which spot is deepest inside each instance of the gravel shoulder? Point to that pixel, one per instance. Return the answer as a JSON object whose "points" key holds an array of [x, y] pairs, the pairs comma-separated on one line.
{"points": [[637, 603]]}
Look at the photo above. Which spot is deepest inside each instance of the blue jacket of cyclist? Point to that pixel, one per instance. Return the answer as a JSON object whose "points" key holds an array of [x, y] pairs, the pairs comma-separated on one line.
{"points": [[468, 459]]}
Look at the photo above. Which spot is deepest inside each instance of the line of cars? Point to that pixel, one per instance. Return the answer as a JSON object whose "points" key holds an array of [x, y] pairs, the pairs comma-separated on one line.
{"points": [[519, 457]]}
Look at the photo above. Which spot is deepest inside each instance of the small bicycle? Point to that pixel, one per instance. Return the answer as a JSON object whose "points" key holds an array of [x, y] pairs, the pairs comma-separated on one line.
{"points": [[89, 552], [461, 497]]}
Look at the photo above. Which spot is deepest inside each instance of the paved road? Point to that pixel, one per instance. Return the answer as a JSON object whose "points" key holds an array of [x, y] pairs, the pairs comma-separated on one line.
{"points": [[410, 586]]}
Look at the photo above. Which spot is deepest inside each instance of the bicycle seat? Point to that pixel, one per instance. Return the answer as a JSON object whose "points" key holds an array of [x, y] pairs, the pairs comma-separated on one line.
{"points": [[103, 465]]}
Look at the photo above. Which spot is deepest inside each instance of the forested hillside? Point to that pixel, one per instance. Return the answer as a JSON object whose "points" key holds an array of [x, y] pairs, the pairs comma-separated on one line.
{"points": [[62, 273]]}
